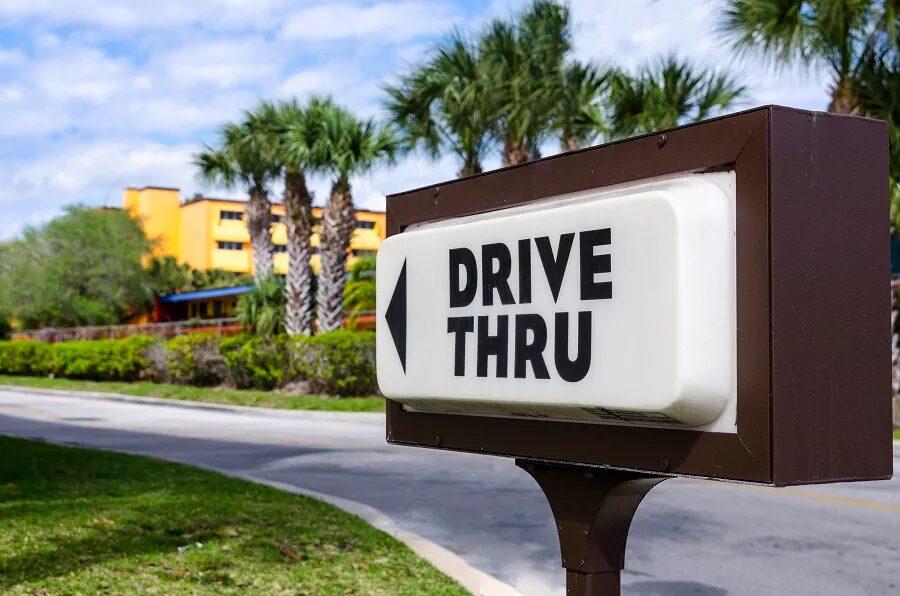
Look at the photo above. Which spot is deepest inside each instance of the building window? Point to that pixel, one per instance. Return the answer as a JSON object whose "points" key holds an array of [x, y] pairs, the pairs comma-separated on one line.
{"points": [[279, 248], [230, 245], [365, 225], [230, 215], [277, 218]]}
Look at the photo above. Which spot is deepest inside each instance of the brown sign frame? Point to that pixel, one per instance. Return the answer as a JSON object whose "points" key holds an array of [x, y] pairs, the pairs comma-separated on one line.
{"points": [[813, 362]]}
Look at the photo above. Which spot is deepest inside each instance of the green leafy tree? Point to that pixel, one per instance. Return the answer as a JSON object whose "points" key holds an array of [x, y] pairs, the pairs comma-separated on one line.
{"points": [[5, 327], [217, 278], [168, 276], [262, 309], [243, 157], [347, 146], [82, 268], [448, 105], [667, 93]]}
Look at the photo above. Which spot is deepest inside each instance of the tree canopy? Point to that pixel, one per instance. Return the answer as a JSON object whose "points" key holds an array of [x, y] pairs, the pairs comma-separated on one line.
{"points": [[82, 268]]}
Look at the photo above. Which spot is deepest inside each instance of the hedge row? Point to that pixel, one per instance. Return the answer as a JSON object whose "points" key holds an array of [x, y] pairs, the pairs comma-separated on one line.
{"points": [[336, 363]]}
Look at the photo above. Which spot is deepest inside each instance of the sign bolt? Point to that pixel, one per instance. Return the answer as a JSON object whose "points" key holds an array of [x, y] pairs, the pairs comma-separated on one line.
{"points": [[661, 140]]}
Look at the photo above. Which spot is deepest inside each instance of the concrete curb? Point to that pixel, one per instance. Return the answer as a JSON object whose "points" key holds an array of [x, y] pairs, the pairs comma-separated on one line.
{"points": [[472, 579], [197, 405]]}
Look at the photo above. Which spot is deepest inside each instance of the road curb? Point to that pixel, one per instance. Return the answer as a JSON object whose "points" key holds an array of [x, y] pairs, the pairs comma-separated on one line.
{"points": [[449, 563], [197, 405]]}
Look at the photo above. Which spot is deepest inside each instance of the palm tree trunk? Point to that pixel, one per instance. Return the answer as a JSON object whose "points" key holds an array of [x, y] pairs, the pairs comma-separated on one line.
{"points": [[338, 226], [515, 152], [570, 143], [844, 99], [298, 282], [470, 168], [259, 221]]}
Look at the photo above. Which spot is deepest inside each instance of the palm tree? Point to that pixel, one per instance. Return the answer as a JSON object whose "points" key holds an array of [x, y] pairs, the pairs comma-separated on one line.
{"points": [[525, 62], [578, 117], [287, 125], [831, 32], [668, 93], [877, 81], [447, 104], [349, 146], [244, 157], [359, 295], [262, 309]]}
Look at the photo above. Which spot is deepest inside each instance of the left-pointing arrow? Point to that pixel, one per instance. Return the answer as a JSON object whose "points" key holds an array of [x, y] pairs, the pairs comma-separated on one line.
{"points": [[395, 315]]}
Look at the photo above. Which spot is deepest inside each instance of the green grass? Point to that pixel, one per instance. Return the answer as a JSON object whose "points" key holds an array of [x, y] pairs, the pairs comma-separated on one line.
{"points": [[78, 521], [215, 395], [897, 434]]}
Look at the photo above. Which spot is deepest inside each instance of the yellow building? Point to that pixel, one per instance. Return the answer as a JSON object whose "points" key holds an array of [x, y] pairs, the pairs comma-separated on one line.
{"points": [[208, 233]]}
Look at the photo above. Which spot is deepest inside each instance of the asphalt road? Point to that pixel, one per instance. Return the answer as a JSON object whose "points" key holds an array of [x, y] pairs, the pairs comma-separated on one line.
{"points": [[688, 537]]}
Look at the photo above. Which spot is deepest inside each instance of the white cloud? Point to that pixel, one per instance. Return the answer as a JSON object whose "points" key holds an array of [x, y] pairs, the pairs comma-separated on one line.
{"points": [[131, 15], [94, 172], [388, 22], [79, 73], [218, 63]]}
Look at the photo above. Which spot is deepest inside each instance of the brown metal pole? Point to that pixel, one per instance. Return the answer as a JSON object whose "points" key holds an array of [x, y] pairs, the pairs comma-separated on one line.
{"points": [[593, 584], [593, 509]]}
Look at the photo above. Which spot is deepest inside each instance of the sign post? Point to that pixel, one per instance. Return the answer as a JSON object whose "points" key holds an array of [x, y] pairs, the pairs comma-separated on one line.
{"points": [[708, 301]]}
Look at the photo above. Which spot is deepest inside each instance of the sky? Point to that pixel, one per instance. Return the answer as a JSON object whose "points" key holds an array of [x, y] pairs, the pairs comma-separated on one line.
{"points": [[97, 95]]}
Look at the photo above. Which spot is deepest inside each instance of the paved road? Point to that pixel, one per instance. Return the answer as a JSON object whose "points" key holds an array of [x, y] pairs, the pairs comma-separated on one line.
{"points": [[688, 538]]}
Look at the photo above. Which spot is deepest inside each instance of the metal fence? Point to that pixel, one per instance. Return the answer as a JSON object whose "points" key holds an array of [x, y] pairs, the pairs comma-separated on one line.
{"points": [[224, 326]]}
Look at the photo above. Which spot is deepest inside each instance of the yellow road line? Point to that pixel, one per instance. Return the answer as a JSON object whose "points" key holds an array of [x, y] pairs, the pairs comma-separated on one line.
{"points": [[814, 496]]}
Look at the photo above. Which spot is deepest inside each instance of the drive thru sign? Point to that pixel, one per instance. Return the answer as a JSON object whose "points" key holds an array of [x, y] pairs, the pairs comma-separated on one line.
{"points": [[708, 301], [614, 305]]}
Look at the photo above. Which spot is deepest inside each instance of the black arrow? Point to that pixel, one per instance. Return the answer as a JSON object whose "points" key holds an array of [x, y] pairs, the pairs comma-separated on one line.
{"points": [[395, 315]]}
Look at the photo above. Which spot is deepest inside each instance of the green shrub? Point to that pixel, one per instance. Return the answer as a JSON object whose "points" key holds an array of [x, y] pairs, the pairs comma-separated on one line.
{"points": [[25, 358], [195, 359], [337, 363], [255, 362], [101, 360]]}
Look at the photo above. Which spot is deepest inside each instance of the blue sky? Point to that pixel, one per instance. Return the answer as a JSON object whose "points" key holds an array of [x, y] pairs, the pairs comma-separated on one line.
{"points": [[96, 95]]}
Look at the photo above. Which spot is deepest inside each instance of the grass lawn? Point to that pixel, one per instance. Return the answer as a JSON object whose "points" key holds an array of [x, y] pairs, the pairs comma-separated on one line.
{"points": [[897, 434], [234, 397], [78, 521]]}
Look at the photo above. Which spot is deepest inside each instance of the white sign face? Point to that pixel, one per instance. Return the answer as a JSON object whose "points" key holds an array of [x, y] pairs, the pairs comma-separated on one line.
{"points": [[616, 306]]}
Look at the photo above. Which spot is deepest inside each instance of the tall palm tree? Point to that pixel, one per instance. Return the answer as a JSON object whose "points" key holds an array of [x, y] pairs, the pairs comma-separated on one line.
{"points": [[348, 146], [447, 104], [243, 157], [667, 93], [578, 118], [831, 32], [525, 60], [287, 125], [877, 80]]}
